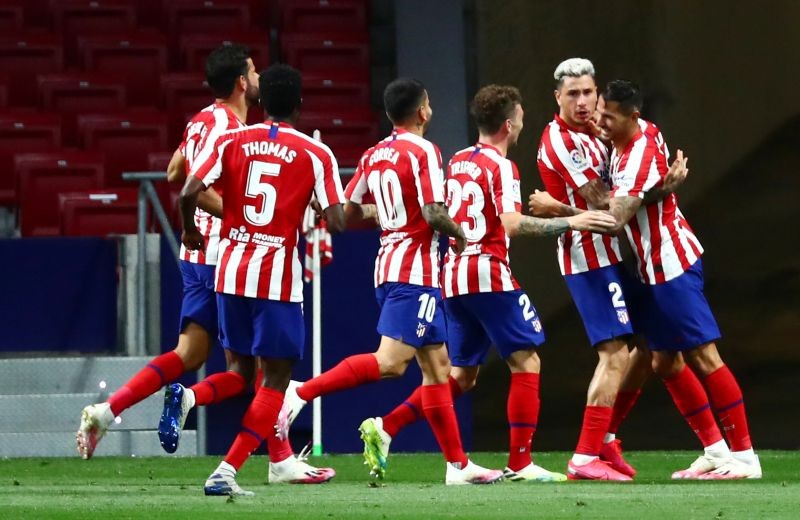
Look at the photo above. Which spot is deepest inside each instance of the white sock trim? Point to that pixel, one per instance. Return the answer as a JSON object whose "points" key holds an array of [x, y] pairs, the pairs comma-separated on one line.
{"points": [[226, 469], [718, 449], [610, 437], [580, 459]]}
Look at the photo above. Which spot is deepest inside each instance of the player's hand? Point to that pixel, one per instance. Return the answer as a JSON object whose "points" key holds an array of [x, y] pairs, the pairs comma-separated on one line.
{"points": [[193, 240], [317, 207], [461, 241], [677, 172], [542, 204], [595, 221]]}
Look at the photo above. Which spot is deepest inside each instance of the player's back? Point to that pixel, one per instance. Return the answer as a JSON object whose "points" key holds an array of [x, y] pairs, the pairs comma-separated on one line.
{"points": [[208, 124], [268, 173], [481, 185], [403, 173]]}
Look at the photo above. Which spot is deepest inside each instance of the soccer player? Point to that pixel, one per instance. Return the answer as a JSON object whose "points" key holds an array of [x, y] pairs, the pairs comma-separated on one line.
{"points": [[670, 305], [268, 173], [403, 173], [233, 79], [483, 303], [573, 165]]}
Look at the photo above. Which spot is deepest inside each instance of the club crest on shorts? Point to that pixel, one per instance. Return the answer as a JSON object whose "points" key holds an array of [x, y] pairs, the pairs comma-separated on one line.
{"points": [[622, 316], [537, 325], [421, 327]]}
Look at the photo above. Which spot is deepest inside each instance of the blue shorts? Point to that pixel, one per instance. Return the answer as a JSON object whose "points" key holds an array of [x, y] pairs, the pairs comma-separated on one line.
{"points": [[598, 295], [675, 315], [412, 314], [506, 320], [199, 299], [259, 327]]}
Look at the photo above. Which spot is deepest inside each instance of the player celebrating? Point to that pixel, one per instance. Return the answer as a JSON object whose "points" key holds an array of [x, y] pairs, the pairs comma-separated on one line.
{"points": [[671, 307], [404, 175], [484, 304], [233, 79], [268, 173]]}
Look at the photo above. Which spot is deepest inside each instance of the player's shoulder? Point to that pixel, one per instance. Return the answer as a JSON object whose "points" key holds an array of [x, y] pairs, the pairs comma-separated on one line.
{"points": [[306, 142], [417, 144], [463, 154]]}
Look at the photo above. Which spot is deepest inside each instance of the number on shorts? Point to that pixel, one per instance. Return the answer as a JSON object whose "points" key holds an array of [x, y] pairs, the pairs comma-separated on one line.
{"points": [[427, 307], [616, 295], [527, 309]]}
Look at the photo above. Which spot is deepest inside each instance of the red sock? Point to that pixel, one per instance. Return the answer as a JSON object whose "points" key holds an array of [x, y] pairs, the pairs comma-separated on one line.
{"points": [[351, 372], [410, 410], [523, 412], [437, 402], [622, 407], [217, 387], [594, 428], [692, 401], [726, 397], [278, 450], [160, 371], [258, 425]]}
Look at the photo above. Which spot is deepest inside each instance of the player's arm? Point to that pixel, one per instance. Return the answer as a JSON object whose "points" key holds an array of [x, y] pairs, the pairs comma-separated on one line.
{"points": [[435, 214], [517, 224], [355, 212], [176, 169], [191, 236], [672, 180], [623, 209]]}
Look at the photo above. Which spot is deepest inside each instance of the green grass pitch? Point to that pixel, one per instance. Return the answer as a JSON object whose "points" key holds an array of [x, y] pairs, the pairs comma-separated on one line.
{"points": [[154, 488]]}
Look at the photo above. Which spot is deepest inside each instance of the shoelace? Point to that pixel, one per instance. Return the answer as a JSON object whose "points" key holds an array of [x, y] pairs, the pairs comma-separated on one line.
{"points": [[304, 453]]}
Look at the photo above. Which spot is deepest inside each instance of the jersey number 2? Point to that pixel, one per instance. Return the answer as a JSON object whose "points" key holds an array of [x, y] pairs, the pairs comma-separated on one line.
{"points": [[261, 214]]}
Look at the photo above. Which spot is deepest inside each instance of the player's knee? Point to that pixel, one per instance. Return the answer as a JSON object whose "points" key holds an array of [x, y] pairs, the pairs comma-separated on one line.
{"points": [[392, 367], [704, 359], [667, 366], [192, 359]]}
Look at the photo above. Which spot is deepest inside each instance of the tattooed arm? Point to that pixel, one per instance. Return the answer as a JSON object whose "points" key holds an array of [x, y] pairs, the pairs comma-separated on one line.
{"points": [[517, 224], [623, 209], [437, 218], [672, 180], [542, 204]]}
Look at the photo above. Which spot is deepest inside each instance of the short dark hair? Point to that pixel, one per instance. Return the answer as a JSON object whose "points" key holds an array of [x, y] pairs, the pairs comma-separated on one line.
{"points": [[224, 66], [626, 94], [492, 105], [402, 97], [280, 90]]}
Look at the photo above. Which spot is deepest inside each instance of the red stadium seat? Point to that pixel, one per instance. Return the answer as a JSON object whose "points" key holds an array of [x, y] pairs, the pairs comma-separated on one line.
{"points": [[42, 176], [126, 138], [347, 135], [11, 16], [79, 93], [137, 59], [3, 91], [99, 213], [321, 94], [28, 55], [210, 16], [23, 132], [315, 16], [335, 56], [183, 95], [158, 161], [195, 48], [73, 18], [36, 13]]}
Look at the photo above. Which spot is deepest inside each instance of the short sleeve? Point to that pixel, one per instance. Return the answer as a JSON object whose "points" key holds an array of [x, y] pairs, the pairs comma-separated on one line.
{"points": [[506, 188], [428, 174], [357, 187], [327, 183], [569, 157]]}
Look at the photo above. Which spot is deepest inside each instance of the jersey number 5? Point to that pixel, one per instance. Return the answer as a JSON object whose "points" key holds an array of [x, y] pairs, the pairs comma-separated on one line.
{"points": [[261, 214]]}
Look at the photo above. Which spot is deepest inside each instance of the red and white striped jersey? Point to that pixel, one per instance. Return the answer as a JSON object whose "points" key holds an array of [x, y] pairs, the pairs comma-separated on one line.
{"points": [[481, 185], [662, 240], [569, 158], [403, 173], [206, 125], [268, 173]]}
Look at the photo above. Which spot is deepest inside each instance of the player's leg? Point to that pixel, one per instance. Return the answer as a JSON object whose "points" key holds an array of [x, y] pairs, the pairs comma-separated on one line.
{"points": [[598, 295], [728, 403], [437, 403], [192, 349], [638, 372]]}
